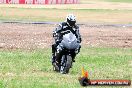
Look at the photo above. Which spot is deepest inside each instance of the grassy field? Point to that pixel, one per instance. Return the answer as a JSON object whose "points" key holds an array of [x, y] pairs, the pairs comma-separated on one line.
{"points": [[90, 15], [94, 11], [32, 69]]}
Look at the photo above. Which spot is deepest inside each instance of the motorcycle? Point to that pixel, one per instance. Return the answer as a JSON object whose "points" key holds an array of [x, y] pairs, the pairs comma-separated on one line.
{"points": [[65, 53]]}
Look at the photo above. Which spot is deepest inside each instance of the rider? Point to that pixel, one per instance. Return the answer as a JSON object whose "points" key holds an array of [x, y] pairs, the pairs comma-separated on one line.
{"points": [[63, 28]]}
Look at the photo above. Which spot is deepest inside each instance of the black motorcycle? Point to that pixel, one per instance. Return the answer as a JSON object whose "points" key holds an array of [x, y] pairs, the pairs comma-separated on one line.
{"points": [[65, 53]]}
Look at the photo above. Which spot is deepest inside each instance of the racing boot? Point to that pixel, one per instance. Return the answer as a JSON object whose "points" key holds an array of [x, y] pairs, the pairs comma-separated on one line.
{"points": [[53, 59], [53, 54], [73, 57]]}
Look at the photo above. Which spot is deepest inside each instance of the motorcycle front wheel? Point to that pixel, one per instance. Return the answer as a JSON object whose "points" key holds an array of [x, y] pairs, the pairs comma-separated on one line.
{"points": [[66, 63]]}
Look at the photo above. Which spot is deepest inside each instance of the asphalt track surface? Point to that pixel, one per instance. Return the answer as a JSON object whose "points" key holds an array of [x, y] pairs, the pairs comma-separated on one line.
{"points": [[90, 25]]}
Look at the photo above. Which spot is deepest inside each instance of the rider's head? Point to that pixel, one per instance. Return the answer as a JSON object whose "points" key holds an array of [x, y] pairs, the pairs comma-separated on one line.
{"points": [[71, 20]]}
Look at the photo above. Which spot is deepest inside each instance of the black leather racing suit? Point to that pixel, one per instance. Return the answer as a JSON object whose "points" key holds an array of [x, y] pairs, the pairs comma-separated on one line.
{"points": [[60, 30]]}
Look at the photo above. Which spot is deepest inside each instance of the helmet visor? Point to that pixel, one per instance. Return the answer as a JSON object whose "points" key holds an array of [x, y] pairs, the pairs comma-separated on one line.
{"points": [[71, 23]]}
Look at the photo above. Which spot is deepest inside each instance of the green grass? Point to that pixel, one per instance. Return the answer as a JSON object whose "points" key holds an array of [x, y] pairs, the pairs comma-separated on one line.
{"points": [[36, 14], [90, 15], [32, 69]]}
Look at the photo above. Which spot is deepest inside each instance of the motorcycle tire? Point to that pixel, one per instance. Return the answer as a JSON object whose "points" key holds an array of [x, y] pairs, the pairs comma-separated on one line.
{"points": [[66, 64]]}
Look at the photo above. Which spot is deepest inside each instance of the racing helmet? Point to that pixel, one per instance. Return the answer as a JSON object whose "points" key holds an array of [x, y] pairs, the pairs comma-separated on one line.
{"points": [[71, 20]]}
